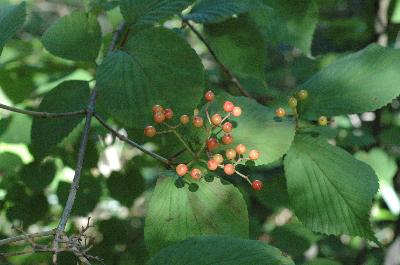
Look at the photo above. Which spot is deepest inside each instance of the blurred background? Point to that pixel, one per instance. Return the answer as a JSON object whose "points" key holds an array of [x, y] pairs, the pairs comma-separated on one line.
{"points": [[32, 194]]}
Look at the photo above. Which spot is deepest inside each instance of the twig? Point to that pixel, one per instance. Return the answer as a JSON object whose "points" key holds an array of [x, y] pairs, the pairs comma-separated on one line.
{"points": [[43, 114], [116, 36], [23, 237], [131, 142], [225, 69]]}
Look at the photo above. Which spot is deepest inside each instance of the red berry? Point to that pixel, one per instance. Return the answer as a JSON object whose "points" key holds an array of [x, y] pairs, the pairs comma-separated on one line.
{"points": [[184, 119], [230, 154], [227, 127], [218, 159], [228, 106], [212, 143], [181, 169], [212, 165], [168, 113], [209, 96], [254, 154], [241, 149], [198, 121], [195, 173], [157, 108], [229, 169], [159, 117], [280, 112], [257, 185], [149, 131], [236, 112], [227, 139], [216, 119]]}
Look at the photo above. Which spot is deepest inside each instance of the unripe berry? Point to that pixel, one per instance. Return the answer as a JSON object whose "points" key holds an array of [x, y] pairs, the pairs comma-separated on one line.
{"points": [[280, 112], [195, 173], [302, 94], [184, 119], [209, 96], [157, 108], [227, 139], [212, 143], [236, 112], [292, 102], [159, 117], [198, 121], [218, 159], [241, 149], [228, 106], [168, 113], [257, 185], [227, 127], [149, 131], [181, 169], [229, 169], [323, 121], [254, 154], [212, 165], [216, 119], [230, 154]]}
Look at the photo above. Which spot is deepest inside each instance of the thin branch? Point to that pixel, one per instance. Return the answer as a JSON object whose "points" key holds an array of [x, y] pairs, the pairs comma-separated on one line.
{"points": [[116, 36], [132, 143], [225, 69], [23, 237], [43, 114]]}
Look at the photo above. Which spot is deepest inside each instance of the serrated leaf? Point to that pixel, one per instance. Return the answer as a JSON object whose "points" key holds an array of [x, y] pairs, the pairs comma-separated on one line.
{"points": [[12, 18], [220, 250], [47, 133], [258, 128], [363, 81], [141, 12], [287, 22], [126, 186], [177, 212], [240, 46], [157, 67], [214, 11], [330, 191], [75, 37]]}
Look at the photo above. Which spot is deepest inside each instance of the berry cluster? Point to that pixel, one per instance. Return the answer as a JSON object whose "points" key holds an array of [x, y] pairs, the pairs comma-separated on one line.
{"points": [[215, 125]]}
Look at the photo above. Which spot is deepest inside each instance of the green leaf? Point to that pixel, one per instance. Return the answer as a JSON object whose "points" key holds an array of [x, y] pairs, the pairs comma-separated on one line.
{"points": [[12, 18], [220, 250], [214, 11], [363, 81], [158, 67], [47, 133], [321, 261], [126, 187], [38, 176], [141, 12], [178, 211], [258, 128], [287, 22], [240, 46], [327, 184], [75, 37]]}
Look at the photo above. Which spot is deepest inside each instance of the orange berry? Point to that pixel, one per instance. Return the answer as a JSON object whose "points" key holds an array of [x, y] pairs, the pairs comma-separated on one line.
{"points": [[254, 154], [212, 143], [218, 158], [149, 131], [168, 113], [230, 154], [227, 139], [209, 96], [229, 169], [159, 117], [227, 127], [216, 119], [236, 112], [228, 106], [157, 108], [184, 119], [212, 165], [257, 185], [198, 121], [181, 169], [241, 149], [195, 173], [280, 112]]}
